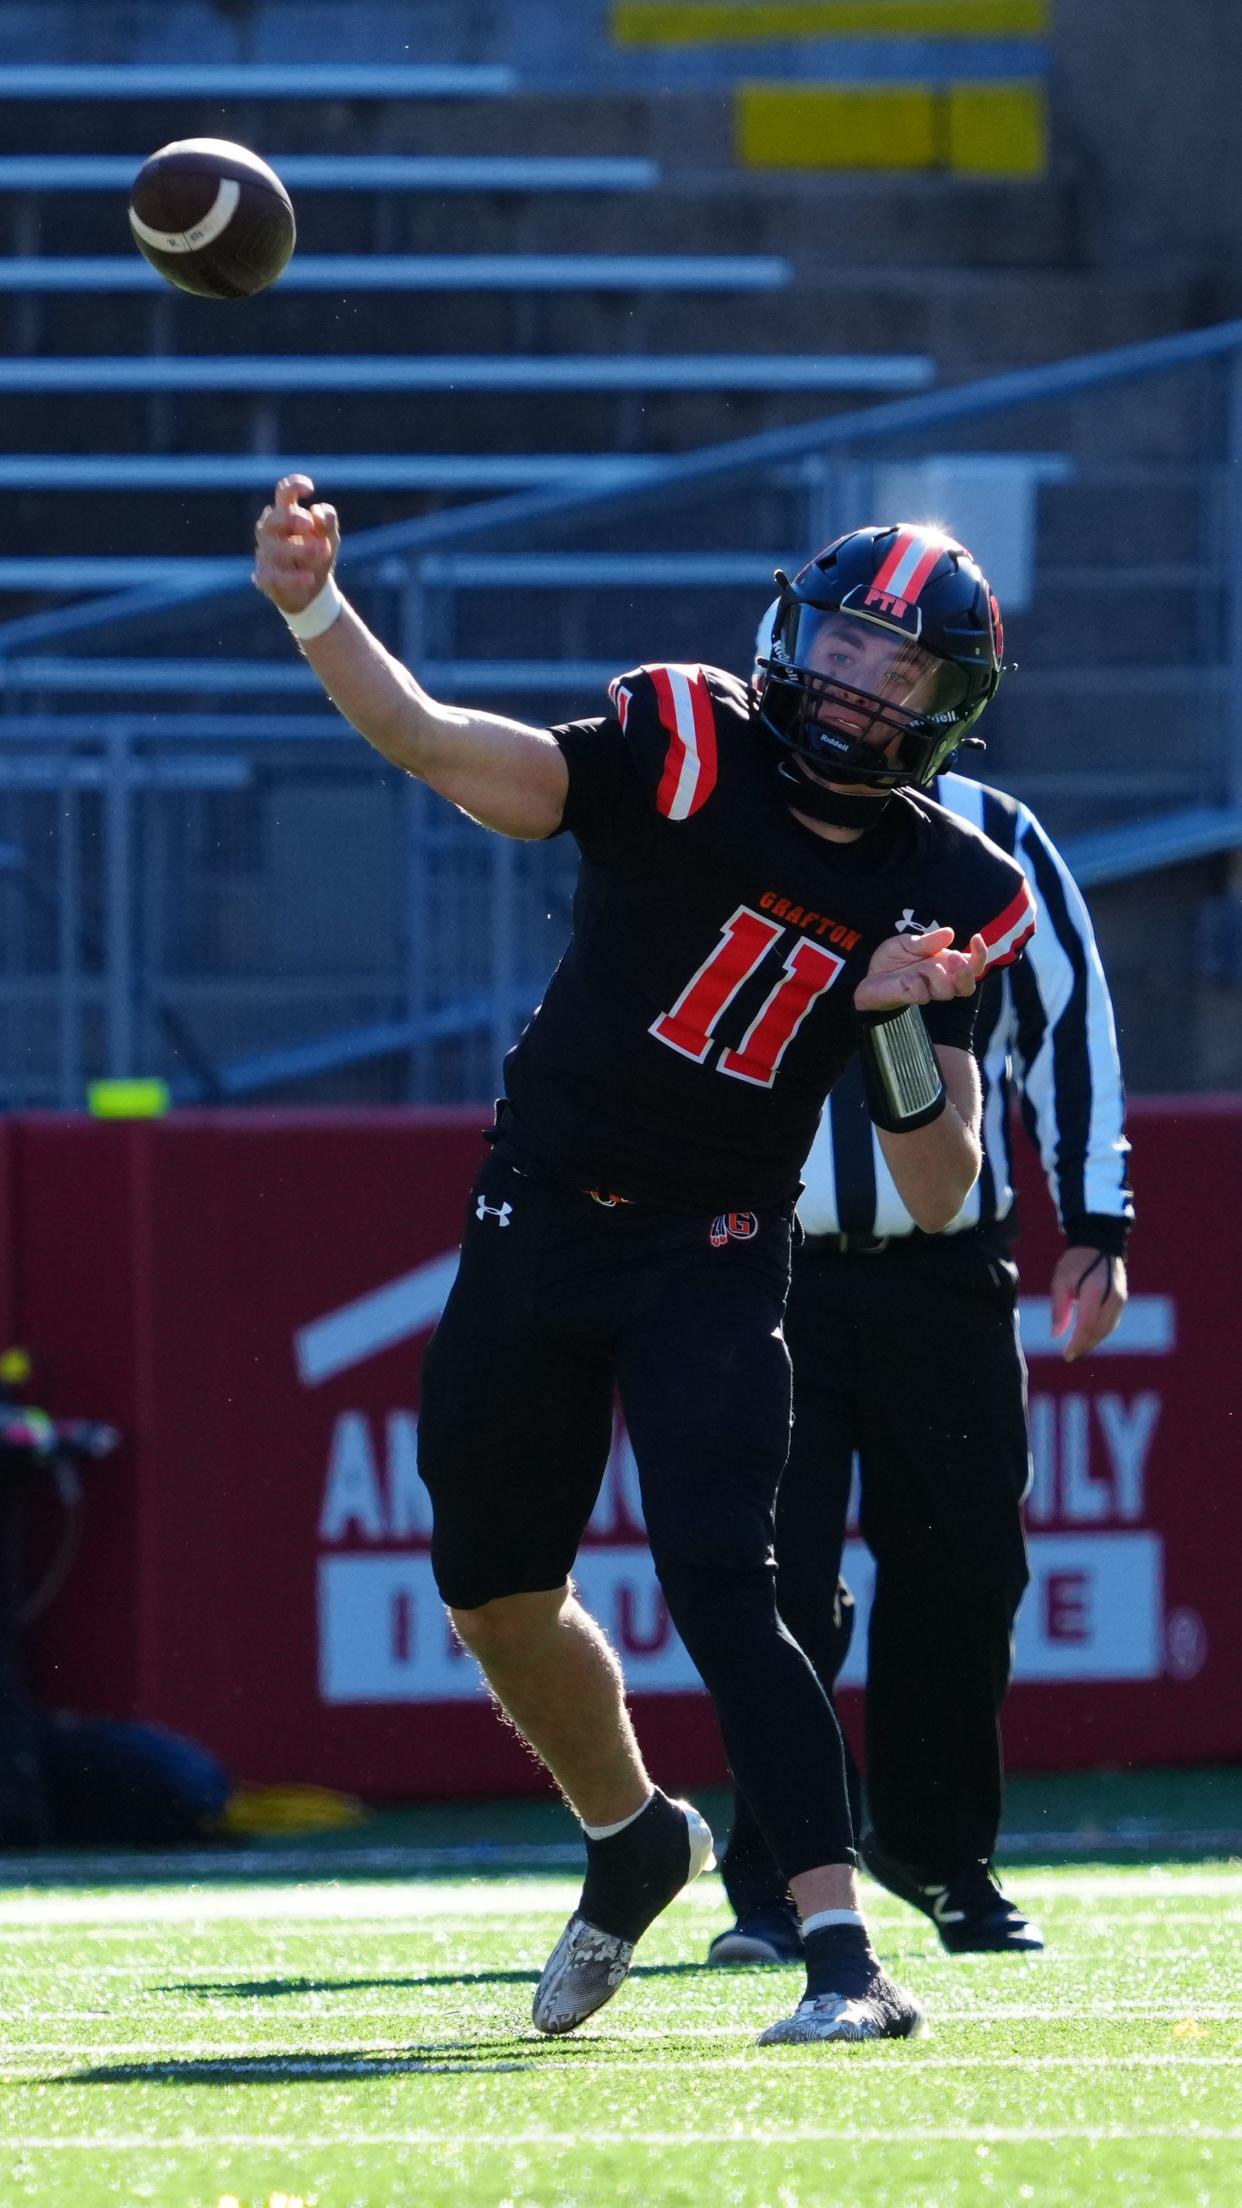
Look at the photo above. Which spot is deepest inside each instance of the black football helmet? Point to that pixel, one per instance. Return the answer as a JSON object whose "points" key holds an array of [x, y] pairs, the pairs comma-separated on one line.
{"points": [[890, 631]]}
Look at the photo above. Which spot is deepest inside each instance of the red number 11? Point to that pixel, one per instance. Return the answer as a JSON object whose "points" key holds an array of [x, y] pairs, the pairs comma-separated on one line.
{"points": [[745, 942]]}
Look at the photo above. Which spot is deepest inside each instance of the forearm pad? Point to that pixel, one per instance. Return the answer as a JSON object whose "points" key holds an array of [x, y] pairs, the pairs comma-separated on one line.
{"points": [[905, 1089]]}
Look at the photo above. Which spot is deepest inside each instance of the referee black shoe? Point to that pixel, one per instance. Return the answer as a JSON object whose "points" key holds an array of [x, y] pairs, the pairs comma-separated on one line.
{"points": [[969, 1910], [771, 1935]]}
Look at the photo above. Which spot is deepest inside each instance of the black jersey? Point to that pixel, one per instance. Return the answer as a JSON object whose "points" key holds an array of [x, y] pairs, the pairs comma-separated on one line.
{"points": [[704, 1005]]}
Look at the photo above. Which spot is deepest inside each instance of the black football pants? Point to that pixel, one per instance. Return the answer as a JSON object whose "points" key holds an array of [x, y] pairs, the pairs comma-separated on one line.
{"points": [[559, 1304], [911, 1357]]}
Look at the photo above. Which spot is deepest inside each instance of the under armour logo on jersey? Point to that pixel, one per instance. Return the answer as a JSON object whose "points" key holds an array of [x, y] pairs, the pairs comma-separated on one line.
{"points": [[484, 1210], [735, 1226], [908, 925]]}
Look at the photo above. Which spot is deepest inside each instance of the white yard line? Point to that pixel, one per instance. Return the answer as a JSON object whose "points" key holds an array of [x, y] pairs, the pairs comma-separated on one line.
{"points": [[398, 1861], [32, 2055], [957, 2018], [946, 2012], [953, 1975], [1146, 1840], [1006, 2013], [401, 2054], [365, 1901], [1114, 1885], [584, 2142], [289, 1905], [289, 1862], [951, 2001]]}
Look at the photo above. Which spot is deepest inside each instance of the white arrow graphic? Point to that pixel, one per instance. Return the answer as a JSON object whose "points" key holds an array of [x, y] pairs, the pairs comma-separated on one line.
{"points": [[377, 1321]]}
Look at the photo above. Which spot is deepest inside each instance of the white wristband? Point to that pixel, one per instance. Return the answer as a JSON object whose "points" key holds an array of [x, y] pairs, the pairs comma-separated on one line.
{"points": [[325, 607]]}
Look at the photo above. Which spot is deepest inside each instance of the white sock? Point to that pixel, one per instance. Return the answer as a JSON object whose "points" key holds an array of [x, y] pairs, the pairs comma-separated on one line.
{"points": [[605, 1832], [824, 1917]]}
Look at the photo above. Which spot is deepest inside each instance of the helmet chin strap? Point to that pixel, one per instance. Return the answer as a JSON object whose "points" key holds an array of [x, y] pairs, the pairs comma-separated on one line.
{"points": [[831, 806]]}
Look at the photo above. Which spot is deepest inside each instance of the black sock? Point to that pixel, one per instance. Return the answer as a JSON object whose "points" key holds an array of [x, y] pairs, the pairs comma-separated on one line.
{"points": [[636, 1873], [840, 1959]]}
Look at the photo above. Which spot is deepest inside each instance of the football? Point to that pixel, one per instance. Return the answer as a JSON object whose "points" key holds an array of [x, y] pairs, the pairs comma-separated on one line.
{"points": [[212, 218]]}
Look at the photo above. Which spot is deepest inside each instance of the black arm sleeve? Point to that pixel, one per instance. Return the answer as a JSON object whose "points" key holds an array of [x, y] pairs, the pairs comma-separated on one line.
{"points": [[952, 1023]]}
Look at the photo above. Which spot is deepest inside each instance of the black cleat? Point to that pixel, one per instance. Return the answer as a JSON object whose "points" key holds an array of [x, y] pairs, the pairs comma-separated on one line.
{"points": [[969, 1910], [771, 1935]]}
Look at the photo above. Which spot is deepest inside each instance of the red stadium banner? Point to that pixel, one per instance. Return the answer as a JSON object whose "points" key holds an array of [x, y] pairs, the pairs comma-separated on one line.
{"points": [[247, 1296]]}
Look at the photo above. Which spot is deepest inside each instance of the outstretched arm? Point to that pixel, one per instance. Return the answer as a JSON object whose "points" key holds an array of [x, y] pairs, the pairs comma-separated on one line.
{"points": [[935, 1162], [509, 776]]}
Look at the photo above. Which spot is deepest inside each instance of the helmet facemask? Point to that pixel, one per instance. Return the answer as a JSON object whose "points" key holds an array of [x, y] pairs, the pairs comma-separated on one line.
{"points": [[881, 654], [840, 685]]}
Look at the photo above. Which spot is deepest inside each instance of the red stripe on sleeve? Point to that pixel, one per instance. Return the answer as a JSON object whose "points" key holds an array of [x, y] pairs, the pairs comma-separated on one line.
{"points": [[1009, 918], [705, 734], [1006, 935], [1006, 958], [675, 757]]}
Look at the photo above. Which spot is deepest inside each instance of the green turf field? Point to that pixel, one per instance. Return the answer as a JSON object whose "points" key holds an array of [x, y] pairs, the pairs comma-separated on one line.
{"points": [[365, 2042]]}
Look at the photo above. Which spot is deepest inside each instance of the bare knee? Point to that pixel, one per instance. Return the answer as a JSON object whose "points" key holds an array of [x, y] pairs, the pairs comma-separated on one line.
{"points": [[512, 1625]]}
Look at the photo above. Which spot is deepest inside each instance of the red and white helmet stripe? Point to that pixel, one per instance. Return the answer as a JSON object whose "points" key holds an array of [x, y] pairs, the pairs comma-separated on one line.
{"points": [[910, 563]]}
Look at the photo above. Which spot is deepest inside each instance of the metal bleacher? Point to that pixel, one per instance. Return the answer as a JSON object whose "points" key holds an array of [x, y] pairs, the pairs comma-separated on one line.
{"points": [[542, 372], [354, 272], [553, 459], [255, 471], [547, 342], [358, 172], [176, 733], [163, 81], [455, 324]]}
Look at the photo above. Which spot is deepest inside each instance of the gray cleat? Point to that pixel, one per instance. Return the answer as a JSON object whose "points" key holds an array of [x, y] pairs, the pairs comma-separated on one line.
{"points": [[586, 1966], [885, 2011], [583, 1971]]}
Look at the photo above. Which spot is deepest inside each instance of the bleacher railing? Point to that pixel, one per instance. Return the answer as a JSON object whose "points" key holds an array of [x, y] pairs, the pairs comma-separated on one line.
{"points": [[205, 875]]}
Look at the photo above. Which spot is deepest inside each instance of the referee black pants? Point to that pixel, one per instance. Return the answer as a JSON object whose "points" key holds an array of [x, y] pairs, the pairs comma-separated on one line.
{"points": [[909, 1356]]}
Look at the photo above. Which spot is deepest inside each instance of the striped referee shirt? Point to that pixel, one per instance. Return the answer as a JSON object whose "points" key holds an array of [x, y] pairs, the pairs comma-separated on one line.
{"points": [[1045, 1030]]}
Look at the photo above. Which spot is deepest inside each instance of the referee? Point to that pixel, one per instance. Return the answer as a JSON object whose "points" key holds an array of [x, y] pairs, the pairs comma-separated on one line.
{"points": [[944, 1459]]}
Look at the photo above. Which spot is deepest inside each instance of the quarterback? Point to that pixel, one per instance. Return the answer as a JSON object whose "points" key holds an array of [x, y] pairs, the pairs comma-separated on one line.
{"points": [[766, 890]]}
